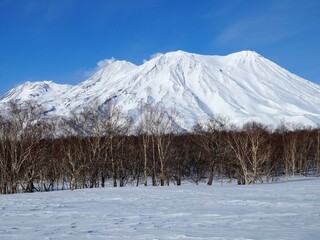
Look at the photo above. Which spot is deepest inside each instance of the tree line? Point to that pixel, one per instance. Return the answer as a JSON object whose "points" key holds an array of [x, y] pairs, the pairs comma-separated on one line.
{"points": [[100, 146]]}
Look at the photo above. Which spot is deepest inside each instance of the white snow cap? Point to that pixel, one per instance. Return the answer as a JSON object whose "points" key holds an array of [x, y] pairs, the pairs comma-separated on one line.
{"points": [[242, 86]]}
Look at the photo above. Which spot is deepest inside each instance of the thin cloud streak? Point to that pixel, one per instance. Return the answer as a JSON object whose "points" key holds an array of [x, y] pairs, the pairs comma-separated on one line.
{"points": [[267, 27]]}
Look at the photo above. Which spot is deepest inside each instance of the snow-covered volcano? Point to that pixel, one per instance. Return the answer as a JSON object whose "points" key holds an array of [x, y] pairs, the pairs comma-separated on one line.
{"points": [[243, 86]]}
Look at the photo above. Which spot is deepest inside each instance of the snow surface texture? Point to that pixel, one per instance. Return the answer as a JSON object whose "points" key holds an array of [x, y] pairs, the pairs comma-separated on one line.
{"points": [[286, 210], [243, 86]]}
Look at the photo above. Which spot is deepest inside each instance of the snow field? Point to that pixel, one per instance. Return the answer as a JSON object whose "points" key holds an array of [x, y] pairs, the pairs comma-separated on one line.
{"points": [[286, 210]]}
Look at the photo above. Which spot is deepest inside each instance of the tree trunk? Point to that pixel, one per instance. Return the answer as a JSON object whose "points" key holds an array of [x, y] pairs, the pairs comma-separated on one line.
{"points": [[154, 174], [211, 172], [145, 173]]}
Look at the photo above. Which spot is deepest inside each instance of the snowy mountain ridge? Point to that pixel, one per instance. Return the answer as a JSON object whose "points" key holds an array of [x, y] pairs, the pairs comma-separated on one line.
{"points": [[243, 86]]}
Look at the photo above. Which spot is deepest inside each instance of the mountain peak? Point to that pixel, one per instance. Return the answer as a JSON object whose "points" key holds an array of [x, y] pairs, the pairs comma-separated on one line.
{"points": [[243, 86], [249, 53], [115, 64], [34, 90], [179, 55], [171, 58], [172, 55], [245, 54]]}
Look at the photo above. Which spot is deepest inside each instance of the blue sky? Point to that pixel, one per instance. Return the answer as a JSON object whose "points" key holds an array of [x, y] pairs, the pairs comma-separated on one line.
{"points": [[63, 40]]}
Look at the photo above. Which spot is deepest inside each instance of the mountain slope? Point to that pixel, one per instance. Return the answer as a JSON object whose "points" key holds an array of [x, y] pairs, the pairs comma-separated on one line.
{"points": [[243, 86], [35, 91]]}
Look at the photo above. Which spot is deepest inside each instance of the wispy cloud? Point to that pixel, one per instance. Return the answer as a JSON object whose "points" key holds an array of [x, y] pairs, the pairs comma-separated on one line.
{"points": [[154, 55], [277, 21], [101, 64], [256, 29], [104, 63], [46, 12]]}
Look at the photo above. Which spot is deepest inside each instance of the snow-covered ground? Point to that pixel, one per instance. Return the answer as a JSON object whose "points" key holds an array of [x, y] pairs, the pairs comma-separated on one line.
{"points": [[284, 210]]}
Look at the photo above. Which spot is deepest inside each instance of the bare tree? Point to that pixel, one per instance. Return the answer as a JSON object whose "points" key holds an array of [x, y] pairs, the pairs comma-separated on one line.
{"points": [[145, 131], [290, 138], [161, 125], [115, 123], [4, 161], [317, 151], [212, 141], [252, 150], [23, 133]]}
